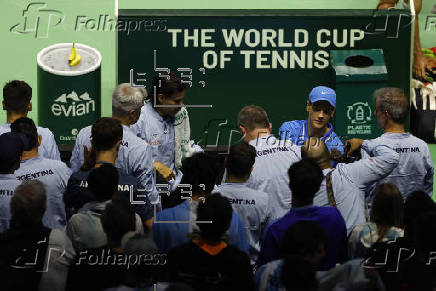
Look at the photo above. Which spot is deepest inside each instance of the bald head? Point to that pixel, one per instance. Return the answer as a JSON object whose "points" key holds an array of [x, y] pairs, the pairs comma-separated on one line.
{"points": [[315, 149]]}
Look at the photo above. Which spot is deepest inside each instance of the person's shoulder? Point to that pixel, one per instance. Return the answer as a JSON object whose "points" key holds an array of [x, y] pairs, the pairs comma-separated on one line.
{"points": [[172, 211], [58, 237], [329, 211], [133, 140], [44, 131], [85, 132], [80, 175], [292, 125], [55, 164], [416, 140]]}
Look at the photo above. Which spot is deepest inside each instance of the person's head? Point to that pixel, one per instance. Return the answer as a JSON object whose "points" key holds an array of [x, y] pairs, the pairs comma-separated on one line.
{"points": [[127, 102], [218, 210], [28, 204], [106, 134], [168, 91], [27, 127], [387, 206], [11, 148], [252, 121], [305, 178], [387, 209], [16, 97], [391, 106], [418, 202], [118, 219], [316, 149], [103, 182], [298, 274], [200, 172], [425, 237], [321, 106], [306, 239], [240, 160]]}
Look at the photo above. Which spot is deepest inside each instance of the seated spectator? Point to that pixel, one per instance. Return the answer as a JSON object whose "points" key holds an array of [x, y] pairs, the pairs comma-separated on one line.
{"points": [[117, 219], [386, 221], [106, 140], [16, 102], [302, 250], [388, 258], [344, 186], [11, 149], [208, 262], [252, 206], [199, 177], [84, 228], [53, 174], [305, 178], [32, 256], [135, 157]]}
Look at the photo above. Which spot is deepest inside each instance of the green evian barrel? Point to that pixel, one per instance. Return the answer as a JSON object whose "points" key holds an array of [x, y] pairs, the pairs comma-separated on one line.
{"points": [[69, 98]]}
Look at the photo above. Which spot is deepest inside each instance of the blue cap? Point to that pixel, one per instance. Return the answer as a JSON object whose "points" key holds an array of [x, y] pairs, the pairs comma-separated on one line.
{"points": [[323, 93]]}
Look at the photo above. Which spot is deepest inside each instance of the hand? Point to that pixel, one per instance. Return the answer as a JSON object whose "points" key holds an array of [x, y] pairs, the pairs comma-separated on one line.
{"points": [[165, 172], [352, 145], [419, 66]]}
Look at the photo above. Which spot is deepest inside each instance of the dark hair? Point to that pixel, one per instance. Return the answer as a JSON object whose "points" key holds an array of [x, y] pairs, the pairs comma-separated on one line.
{"points": [[394, 102], [105, 133], [425, 234], [17, 95], [103, 182], [241, 159], [417, 203], [218, 210], [28, 203], [298, 274], [303, 238], [200, 172], [117, 219], [387, 208], [167, 86], [27, 127], [252, 117], [305, 178]]}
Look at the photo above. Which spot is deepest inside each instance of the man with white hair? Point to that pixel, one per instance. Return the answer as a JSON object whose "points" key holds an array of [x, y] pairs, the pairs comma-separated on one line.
{"points": [[415, 167], [135, 155]]}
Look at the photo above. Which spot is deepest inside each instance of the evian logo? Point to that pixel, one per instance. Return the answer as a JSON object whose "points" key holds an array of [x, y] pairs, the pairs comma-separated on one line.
{"points": [[79, 106]]}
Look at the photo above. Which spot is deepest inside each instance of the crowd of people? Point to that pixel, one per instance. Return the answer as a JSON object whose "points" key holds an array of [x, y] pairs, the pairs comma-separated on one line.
{"points": [[300, 210]]}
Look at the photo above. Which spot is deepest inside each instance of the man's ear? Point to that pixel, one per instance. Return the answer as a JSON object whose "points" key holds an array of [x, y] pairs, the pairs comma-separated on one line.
{"points": [[160, 98], [39, 140], [118, 145], [29, 107], [242, 129], [307, 106], [333, 112], [270, 127]]}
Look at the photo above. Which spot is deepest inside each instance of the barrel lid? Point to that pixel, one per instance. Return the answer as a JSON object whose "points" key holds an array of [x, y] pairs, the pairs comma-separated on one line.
{"points": [[54, 59]]}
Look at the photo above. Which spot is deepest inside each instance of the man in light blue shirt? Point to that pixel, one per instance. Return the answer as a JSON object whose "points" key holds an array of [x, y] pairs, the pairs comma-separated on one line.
{"points": [[415, 167], [11, 149], [344, 187], [135, 156], [273, 159], [252, 206], [52, 173], [321, 107], [16, 102], [156, 124]]}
